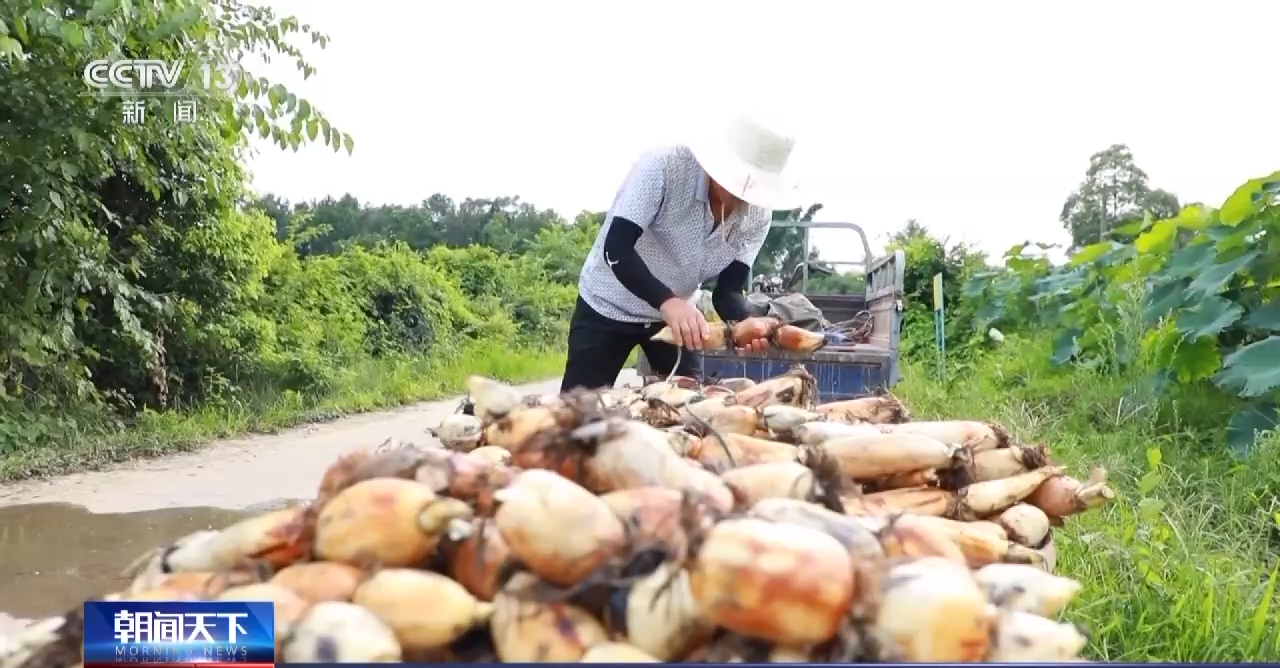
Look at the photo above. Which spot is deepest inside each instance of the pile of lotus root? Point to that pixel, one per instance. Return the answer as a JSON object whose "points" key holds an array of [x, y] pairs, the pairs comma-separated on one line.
{"points": [[675, 523]]}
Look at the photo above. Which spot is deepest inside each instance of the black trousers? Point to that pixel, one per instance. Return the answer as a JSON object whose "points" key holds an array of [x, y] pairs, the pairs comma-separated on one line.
{"points": [[599, 347]]}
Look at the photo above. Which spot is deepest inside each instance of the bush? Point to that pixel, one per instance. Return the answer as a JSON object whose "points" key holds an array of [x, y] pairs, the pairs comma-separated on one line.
{"points": [[247, 312]]}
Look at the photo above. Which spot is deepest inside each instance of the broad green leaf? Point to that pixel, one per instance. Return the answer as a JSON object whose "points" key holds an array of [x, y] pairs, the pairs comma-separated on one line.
{"points": [[1209, 318], [1191, 260], [1253, 370], [1245, 201], [1158, 238], [349, 143], [1228, 238], [101, 8], [1195, 360], [313, 127], [1192, 217], [1092, 252], [1015, 250], [335, 139], [9, 47], [1215, 277], [1266, 316], [1065, 346], [990, 312], [974, 286], [1242, 430], [1162, 299], [72, 34], [1131, 228]]}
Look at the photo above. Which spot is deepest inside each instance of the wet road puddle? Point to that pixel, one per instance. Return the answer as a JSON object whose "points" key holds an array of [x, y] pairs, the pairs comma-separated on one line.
{"points": [[54, 556]]}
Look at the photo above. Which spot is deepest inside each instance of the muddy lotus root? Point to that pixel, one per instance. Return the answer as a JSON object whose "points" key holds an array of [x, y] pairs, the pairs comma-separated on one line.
{"points": [[744, 521]]}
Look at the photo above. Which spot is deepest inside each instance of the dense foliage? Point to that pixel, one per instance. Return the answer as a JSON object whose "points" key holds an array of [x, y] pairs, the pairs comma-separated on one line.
{"points": [[136, 276], [1185, 300]]}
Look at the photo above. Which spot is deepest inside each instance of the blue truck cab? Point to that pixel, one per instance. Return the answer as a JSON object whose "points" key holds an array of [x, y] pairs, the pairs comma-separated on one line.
{"points": [[843, 371]]}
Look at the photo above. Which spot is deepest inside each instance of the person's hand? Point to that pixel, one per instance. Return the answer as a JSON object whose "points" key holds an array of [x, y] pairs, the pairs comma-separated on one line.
{"points": [[754, 347], [688, 325]]}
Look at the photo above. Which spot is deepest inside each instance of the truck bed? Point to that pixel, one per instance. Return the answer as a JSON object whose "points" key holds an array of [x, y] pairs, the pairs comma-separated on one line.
{"points": [[842, 371]]}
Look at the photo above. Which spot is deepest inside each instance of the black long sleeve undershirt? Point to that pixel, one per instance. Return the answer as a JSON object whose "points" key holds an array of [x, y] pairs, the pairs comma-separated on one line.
{"points": [[728, 298], [620, 253], [634, 275]]}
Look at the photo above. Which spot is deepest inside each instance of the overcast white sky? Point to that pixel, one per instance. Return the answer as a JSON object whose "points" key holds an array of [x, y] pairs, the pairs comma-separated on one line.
{"points": [[975, 117]]}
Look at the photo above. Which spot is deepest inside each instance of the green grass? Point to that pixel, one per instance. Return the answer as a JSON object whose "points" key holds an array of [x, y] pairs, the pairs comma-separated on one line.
{"points": [[1183, 567], [371, 385]]}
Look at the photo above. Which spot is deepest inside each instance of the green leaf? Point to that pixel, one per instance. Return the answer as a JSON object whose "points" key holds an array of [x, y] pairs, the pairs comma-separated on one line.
{"points": [[304, 110], [1214, 278], [1065, 346], [1209, 318], [349, 143], [1190, 260], [276, 95], [1226, 237], [9, 47], [313, 127], [1162, 299], [1159, 237], [1266, 316], [1195, 360], [1253, 370], [72, 34], [101, 8], [1147, 484], [1015, 250], [1092, 252], [1245, 201], [1192, 217], [1242, 430], [56, 199], [335, 139], [1132, 228]]}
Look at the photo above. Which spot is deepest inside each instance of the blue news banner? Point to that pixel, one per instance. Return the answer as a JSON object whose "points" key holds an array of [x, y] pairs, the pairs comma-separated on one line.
{"points": [[180, 634], [214, 634]]}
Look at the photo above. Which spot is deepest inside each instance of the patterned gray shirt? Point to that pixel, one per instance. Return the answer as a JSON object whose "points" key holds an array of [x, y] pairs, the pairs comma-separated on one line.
{"points": [[666, 196]]}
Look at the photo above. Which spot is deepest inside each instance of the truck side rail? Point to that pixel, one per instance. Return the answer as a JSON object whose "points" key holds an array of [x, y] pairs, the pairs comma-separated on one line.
{"points": [[885, 283]]}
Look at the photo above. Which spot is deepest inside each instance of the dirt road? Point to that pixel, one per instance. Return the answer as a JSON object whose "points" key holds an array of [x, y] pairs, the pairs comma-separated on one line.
{"points": [[238, 473], [67, 538]]}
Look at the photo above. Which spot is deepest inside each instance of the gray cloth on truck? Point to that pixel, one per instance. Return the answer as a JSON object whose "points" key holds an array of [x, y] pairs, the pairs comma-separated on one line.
{"points": [[793, 309]]}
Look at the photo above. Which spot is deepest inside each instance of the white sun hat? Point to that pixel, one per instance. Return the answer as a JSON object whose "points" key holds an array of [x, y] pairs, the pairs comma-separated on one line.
{"points": [[749, 159]]}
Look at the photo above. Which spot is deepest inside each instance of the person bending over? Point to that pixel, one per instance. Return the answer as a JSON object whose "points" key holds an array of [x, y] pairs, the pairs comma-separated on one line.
{"points": [[684, 215]]}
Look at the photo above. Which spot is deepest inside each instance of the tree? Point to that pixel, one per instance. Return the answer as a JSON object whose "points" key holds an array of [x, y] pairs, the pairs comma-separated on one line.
{"points": [[503, 223], [1114, 191], [784, 246], [124, 253]]}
